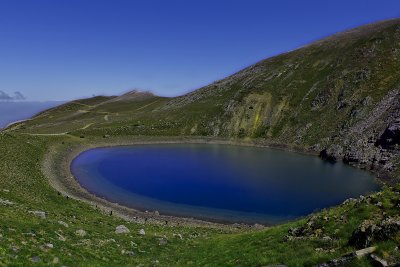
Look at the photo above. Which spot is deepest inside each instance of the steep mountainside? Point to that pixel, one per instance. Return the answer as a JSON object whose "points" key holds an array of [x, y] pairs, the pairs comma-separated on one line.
{"points": [[338, 96]]}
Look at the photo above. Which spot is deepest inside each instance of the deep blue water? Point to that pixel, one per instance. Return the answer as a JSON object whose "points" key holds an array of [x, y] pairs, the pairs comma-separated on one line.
{"points": [[219, 182]]}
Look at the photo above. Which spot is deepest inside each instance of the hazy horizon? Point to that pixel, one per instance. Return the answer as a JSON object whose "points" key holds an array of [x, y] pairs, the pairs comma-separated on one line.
{"points": [[67, 50], [12, 111]]}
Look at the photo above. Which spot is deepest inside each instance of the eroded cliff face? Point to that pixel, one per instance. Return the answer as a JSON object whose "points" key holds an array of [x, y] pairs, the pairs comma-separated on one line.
{"points": [[339, 99]]}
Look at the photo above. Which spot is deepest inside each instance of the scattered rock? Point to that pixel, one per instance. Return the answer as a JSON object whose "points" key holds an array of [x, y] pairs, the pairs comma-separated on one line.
{"points": [[258, 226], [47, 247], [313, 228], [129, 253], [142, 232], [60, 237], [363, 252], [368, 232], [333, 153], [178, 235], [378, 262], [6, 202], [80, 233], [391, 135], [349, 200], [162, 241], [327, 238], [343, 261], [351, 157], [39, 213], [35, 259], [121, 229], [63, 224]]}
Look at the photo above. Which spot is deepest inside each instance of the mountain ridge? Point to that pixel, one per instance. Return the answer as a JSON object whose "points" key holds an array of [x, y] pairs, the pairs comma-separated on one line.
{"points": [[336, 96]]}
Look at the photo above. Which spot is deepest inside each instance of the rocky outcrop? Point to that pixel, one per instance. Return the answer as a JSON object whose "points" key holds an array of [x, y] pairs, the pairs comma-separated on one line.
{"points": [[346, 259], [369, 232], [312, 229], [391, 136], [333, 153]]}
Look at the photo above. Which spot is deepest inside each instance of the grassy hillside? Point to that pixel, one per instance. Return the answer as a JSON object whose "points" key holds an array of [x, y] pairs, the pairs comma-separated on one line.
{"points": [[338, 96]]}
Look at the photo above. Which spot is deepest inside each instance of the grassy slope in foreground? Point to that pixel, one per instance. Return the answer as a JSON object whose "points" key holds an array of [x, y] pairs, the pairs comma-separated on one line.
{"points": [[319, 96], [24, 235]]}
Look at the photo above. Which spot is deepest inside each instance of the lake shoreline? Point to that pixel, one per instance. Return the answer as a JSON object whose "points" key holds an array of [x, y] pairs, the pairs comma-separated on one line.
{"points": [[57, 168]]}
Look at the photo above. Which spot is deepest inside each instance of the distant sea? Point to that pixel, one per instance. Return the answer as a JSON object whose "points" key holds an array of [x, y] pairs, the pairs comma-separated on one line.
{"points": [[14, 111]]}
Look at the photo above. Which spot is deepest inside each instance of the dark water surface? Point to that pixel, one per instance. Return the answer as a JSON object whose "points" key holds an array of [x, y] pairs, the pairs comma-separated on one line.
{"points": [[219, 182]]}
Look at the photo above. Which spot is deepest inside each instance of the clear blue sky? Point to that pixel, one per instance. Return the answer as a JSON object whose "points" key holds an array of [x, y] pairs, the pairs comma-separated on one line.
{"points": [[64, 49]]}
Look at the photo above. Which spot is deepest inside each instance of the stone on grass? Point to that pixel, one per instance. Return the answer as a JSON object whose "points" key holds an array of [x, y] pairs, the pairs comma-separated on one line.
{"points": [[38, 213], [63, 223], [6, 202], [162, 241], [142, 232], [80, 232], [121, 229], [35, 259], [376, 261], [178, 235], [128, 253]]}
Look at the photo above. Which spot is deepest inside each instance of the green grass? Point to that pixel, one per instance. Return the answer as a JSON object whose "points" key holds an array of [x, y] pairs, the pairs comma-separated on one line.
{"points": [[23, 234], [282, 91]]}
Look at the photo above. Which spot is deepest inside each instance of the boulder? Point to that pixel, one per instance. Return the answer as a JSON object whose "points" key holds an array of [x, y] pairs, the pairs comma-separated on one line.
{"points": [[80, 233], [391, 136], [35, 259], [368, 232], [38, 213], [63, 224], [142, 232], [333, 153], [377, 261], [121, 229], [363, 236], [344, 260], [6, 202], [162, 241], [129, 253], [351, 157]]}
